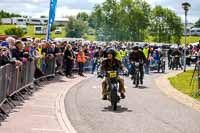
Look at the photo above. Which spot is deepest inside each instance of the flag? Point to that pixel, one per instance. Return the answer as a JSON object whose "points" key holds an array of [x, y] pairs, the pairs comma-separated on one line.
{"points": [[52, 12]]}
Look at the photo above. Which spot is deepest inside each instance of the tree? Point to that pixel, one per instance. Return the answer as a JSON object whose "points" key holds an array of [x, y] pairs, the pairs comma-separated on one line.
{"points": [[165, 26], [4, 14], [197, 24], [53, 27], [76, 28], [43, 16], [15, 31], [123, 21], [134, 20], [82, 16]]}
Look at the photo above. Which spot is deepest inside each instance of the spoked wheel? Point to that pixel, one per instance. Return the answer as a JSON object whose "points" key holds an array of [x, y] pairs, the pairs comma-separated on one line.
{"points": [[163, 68], [137, 80], [114, 106], [114, 100]]}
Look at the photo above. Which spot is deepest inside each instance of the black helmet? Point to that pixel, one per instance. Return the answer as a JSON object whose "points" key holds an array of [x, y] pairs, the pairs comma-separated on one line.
{"points": [[111, 51], [135, 48]]}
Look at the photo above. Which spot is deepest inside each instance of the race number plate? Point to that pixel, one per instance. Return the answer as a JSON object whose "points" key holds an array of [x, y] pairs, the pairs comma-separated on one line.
{"points": [[113, 74]]}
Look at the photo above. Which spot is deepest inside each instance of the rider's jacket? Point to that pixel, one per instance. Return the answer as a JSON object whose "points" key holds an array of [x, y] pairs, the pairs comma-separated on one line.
{"points": [[118, 56], [176, 53], [123, 53], [111, 65], [137, 57], [146, 52]]}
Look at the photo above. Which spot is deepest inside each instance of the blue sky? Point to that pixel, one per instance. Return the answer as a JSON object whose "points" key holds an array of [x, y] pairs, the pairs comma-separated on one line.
{"points": [[37, 8]]}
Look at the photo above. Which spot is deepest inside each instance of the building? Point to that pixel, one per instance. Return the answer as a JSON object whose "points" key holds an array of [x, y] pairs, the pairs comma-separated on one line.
{"points": [[6, 21], [61, 21], [33, 21], [37, 21]]}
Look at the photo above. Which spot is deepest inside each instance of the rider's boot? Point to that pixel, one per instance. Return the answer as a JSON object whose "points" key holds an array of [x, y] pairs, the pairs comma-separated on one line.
{"points": [[141, 82], [104, 97], [134, 82], [123, 96]]}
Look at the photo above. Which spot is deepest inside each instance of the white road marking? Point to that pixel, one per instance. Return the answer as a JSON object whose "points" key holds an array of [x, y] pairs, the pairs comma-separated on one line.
{"points": [[44, 129], [41, 106], [94, 87], [45, 116]]}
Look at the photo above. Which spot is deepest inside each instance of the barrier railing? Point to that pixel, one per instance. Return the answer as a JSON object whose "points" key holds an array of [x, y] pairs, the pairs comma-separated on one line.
{"points": [[3, 83], [46, 66], [14, 78], [87, 65]]}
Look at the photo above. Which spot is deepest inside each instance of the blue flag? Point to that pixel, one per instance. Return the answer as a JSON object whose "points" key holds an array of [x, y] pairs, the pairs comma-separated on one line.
{"points": [[52, 12]]}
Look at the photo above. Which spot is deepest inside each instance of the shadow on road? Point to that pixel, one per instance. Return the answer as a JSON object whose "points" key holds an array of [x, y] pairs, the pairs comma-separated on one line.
{"points": [[141, 87], [120, 109]]}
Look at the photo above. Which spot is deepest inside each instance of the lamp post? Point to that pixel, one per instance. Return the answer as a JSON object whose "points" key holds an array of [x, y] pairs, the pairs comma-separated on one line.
{"points": [[186, 7]]}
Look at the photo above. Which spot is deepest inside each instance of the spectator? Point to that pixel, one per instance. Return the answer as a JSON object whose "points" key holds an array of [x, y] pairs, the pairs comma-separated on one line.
{"points": [[68, 60], [4, 56], [59, 61], [81, 59], [11, 42], [18, 52]]}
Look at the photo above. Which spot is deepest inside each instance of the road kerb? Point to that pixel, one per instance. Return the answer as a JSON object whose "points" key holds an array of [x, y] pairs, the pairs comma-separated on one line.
{"points": [[60, 109], [165, 86]]}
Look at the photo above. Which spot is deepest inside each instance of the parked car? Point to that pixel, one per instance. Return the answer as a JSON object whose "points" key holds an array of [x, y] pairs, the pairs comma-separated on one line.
{"points": [[58, 30]]}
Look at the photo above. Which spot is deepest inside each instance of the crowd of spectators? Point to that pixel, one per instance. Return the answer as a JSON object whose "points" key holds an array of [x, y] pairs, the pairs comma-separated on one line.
{"points": [[74, 54]]}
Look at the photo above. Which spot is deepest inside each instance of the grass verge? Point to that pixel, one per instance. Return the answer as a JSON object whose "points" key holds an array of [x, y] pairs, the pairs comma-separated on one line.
{"points": [[30, 30], [182, 83]]}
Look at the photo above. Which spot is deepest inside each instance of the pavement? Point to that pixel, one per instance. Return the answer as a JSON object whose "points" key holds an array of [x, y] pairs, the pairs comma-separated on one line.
{"points": [[41, 113]]}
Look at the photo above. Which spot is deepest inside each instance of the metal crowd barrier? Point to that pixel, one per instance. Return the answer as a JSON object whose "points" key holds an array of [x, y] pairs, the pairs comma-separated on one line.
{"points": [[87, 65], [3, 83], [14, 78], [46, 66]]}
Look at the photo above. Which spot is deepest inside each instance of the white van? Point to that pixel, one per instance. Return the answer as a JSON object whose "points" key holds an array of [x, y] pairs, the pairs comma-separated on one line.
{"points": [[19, 21], [40, 30], [195, 32]]}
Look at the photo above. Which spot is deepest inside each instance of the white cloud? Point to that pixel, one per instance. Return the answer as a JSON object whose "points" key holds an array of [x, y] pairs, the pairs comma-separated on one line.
{"points": [[37, 8], [64, 11]]}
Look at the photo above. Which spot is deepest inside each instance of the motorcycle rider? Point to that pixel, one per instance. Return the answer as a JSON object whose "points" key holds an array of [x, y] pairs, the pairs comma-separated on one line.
{"points": [[138, 56], [146, 51], [112, 64], [170, 51], [177, 55]]}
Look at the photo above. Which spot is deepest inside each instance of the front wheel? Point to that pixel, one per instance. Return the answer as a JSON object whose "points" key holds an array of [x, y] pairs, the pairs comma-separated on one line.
{"points": [[137, 79], [114, 106], [163, 67]]}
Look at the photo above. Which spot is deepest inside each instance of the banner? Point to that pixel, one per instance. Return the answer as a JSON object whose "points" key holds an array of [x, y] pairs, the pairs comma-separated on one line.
{"points": [[52, 13]]}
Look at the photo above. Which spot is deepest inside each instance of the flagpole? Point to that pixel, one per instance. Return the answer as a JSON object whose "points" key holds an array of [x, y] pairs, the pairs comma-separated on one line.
{"points": [[48, 34]]}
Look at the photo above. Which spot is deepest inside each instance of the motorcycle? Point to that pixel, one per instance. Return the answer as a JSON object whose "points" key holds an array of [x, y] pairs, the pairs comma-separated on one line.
{"points": [[175, 62], [161, 65], [136, 73], [113, 87]]}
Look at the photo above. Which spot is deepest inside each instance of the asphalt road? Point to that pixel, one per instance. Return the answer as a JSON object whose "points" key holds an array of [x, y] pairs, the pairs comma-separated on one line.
{"points": [[145, 110]]}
